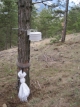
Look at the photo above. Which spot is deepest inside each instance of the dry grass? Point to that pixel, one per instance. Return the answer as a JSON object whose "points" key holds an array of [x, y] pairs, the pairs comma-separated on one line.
{"points": [[54, 73]]}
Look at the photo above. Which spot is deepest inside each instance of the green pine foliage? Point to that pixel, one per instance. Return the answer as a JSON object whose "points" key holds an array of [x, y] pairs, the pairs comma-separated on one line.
{"points": [[74, 20], [34, 18], [48, 21], [8, 20]]}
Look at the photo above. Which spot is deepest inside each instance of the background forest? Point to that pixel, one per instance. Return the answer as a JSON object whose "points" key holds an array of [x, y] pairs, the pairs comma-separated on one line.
{"points": [[49, 21]]}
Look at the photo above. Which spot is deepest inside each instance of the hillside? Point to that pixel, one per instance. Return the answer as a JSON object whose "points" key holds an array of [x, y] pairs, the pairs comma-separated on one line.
{"points": [[54, 74]]}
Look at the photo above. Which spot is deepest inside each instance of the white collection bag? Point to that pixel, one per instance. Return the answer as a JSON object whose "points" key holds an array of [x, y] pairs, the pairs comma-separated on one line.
{"points": [[24, 90]]}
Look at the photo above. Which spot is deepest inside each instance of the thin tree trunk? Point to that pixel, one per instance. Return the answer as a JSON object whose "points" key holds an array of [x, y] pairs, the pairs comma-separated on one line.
{"points": [[6, 40], [10, 37], [24, 15], [65, 22]]}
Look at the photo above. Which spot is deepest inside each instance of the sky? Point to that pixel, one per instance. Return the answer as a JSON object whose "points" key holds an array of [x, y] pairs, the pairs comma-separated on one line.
{"points": [[75, 1], [40, 5]]}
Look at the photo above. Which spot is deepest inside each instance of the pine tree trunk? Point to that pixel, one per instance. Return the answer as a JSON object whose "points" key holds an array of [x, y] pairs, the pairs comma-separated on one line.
{"points": [[24, 15], [65, 22], [10, 40], [6, 40]]}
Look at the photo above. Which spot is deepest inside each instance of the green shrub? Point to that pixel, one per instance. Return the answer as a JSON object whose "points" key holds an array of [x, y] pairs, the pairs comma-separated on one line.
{"points": [[55, 39]]}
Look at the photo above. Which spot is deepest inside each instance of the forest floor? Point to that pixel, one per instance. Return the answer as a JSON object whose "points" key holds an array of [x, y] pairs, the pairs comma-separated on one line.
{"points": [[54, 75]]}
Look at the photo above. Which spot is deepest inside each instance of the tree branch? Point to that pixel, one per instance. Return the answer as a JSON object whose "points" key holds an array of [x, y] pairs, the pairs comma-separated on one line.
{"points": [[41, 1]]}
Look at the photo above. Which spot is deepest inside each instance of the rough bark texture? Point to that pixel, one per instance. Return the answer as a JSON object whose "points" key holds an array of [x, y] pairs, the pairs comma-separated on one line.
{"points": [[65, 22], [24, 15]]}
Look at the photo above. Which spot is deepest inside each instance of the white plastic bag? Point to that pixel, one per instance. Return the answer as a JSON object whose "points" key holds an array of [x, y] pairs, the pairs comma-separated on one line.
{"points": [[24, 90]]}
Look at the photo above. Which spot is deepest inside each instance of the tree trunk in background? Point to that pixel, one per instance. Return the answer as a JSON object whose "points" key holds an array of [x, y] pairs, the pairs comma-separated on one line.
{"points": [[65, 22], [24, 15], [10, 40], [6, 40]]}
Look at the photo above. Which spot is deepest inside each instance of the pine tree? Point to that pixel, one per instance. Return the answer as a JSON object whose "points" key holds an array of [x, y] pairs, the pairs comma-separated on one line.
{"points": [[8, 20]]}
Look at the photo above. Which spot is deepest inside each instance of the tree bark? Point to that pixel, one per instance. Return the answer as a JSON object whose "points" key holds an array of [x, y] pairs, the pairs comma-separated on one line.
{"points": [[6, 40], [24, 15], [10, 39], [65, 22]]}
